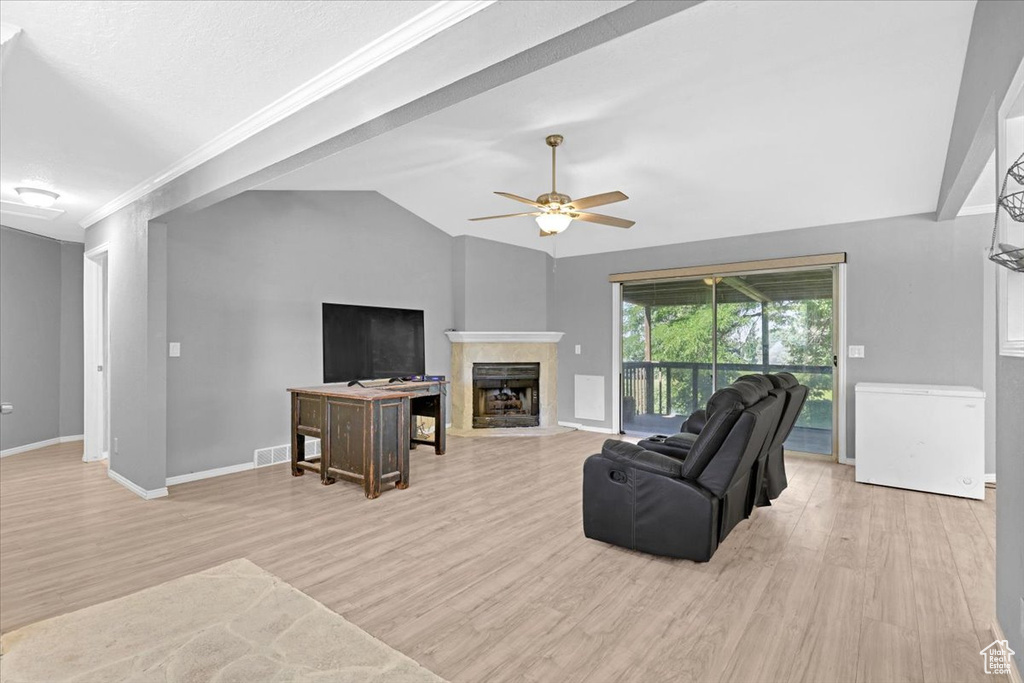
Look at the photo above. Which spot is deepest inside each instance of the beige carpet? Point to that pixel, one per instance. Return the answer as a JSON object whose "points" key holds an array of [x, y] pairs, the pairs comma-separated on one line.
{"points": [[234, 622]]}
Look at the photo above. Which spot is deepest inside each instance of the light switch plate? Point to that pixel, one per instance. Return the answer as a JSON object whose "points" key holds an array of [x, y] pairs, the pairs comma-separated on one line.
{"points": [[174, 349], [579, 349], [856, 352]]}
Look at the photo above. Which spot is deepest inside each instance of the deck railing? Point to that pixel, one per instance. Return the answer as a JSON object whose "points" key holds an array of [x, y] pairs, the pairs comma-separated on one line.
{"points": [[670, 388]]}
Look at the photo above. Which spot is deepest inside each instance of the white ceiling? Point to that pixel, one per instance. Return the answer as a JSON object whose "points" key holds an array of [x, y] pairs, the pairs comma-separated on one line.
{"points": [[730, 118], [98, 96]]}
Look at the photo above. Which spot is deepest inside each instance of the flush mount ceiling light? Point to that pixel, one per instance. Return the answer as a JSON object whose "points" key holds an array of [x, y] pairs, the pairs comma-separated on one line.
{"points": [[32, 196], [554, 211]]}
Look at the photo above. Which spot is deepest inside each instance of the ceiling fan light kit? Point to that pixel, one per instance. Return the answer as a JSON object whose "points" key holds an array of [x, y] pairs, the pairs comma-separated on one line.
{"points": [[553, 223], [556, 211]]}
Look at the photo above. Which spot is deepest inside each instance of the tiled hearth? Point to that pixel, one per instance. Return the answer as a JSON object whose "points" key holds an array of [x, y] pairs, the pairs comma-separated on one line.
{"points": [[503, 347]]}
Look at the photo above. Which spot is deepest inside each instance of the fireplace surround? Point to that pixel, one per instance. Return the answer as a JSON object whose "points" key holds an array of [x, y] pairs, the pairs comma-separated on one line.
{"points": [[516, 348]]}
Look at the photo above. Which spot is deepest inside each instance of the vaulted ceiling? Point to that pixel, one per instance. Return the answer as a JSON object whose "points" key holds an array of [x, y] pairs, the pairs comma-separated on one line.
{"points": [[730, 118]]}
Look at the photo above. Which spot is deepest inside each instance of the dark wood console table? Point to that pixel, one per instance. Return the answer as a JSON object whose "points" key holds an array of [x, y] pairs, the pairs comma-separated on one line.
{"points": [[365, 432]]}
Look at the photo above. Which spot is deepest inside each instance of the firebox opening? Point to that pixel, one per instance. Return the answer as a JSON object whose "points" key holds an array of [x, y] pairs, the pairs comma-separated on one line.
{"points": [[506, 395]]}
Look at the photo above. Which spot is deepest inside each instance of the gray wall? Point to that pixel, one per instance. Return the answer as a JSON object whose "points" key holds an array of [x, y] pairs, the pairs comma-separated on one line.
{"points": [[246, 279], [499, 287], [40, 338], [133, 387], [914, 289], [72, 379], [1010, 502]]}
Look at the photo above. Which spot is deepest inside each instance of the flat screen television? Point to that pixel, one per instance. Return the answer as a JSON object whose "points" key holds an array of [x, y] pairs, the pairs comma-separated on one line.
{"points": [[369, 342]]}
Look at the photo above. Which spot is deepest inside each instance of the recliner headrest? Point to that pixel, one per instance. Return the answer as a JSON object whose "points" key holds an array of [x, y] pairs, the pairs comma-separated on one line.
{"points": [[783, 380], [762, 383], [729, 397]]}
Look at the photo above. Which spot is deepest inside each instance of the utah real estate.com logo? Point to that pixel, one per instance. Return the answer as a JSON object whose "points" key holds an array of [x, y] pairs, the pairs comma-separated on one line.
{"points": [[997, 657]]}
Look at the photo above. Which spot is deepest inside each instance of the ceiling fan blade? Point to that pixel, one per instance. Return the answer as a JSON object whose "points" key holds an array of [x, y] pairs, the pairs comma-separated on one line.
{"points": [[547, 234], [517, 198], [506, 215], [598, 200], [603, 220]]}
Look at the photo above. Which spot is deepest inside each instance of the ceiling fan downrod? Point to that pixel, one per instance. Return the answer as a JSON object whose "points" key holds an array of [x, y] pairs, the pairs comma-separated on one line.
{"points": [[553, 198]]}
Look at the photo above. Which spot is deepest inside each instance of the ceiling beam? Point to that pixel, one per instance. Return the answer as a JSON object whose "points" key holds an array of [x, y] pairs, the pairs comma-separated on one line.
{"points": [[373, 55], [609, 26], [994, 53], [746, 288]]}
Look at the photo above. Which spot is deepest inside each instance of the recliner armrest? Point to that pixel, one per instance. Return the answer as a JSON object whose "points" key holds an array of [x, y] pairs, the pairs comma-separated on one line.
{"points": [[682, 441], [631, 455], [635, 508], [695, 422]]}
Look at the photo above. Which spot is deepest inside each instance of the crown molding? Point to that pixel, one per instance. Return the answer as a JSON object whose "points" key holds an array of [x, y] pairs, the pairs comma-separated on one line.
{"points": [[403, 38]]}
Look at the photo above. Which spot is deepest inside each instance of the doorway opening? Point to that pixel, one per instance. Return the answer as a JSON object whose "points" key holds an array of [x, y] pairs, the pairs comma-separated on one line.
{"points": [[97, 354]]}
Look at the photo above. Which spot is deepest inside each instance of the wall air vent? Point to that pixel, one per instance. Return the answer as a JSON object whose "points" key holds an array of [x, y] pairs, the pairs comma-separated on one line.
{"points": [[274, 455]]}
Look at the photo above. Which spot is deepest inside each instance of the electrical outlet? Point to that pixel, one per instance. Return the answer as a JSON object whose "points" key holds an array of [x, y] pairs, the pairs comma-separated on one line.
{"points": [[174, 349], [115, 445], [579, 349], [856, 352]]}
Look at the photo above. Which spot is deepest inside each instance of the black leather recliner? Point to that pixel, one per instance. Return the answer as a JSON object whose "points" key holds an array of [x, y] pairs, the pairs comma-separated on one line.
{"points": [[648, 501]]}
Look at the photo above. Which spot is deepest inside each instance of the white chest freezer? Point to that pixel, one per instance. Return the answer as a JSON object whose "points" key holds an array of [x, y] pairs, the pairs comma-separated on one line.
{"points": [[921, 437]]}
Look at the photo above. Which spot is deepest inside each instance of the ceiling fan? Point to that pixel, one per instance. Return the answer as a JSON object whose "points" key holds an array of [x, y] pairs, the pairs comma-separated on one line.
{"points": [[556, 211]]}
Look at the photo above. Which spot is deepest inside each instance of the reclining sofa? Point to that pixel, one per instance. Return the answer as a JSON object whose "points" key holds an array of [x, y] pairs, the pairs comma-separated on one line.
{"points": [[681, 495], [653, 502]]}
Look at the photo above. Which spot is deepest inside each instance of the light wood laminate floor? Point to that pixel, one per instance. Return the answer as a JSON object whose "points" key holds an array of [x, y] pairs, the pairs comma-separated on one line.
{"points": [[480, 570]]}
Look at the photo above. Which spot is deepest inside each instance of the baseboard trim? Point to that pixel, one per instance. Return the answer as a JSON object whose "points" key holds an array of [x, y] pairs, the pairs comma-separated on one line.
{"points": [[990, 478], [40, 444], [209, 474], [135, 488], [997, 634], [29, 447], [586, 428]]}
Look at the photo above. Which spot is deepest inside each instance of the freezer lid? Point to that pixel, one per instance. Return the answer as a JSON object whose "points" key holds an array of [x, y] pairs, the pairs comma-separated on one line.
{"points": [[919, 389]]}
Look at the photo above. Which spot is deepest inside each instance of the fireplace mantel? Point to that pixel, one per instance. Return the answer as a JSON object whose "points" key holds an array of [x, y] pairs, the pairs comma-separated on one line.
{"points": [[505, 337]]}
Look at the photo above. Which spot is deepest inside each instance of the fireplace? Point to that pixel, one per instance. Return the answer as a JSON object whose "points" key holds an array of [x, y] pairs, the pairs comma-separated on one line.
{"points": [[506, 395]]}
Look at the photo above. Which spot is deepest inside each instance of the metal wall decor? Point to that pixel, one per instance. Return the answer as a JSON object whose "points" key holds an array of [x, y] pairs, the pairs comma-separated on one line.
{"points": [[1008, 255]]}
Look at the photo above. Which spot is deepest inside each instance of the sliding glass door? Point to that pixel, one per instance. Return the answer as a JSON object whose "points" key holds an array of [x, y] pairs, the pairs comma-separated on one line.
{"points": [[683, 338]]}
